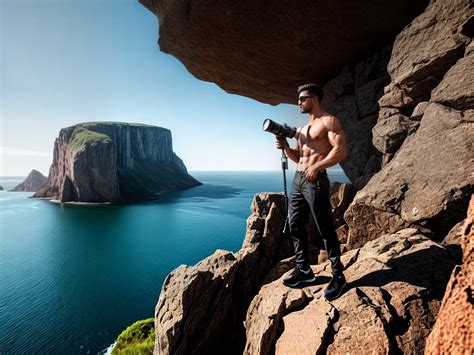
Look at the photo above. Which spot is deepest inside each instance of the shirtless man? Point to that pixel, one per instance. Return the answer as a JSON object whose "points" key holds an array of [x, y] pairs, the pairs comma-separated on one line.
{"points": [[320, 144]]}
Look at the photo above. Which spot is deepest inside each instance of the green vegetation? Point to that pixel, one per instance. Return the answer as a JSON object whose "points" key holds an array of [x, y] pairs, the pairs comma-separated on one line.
{"points": [[139, 338], [83, 136]]}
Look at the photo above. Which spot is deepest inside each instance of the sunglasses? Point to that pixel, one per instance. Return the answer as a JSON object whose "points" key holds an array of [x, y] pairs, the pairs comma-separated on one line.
{"points": [[303, 98]]}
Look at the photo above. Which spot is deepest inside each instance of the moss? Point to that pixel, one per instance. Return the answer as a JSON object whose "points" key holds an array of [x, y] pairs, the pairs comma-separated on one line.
{"points": [[83, 136], [139, 338]]}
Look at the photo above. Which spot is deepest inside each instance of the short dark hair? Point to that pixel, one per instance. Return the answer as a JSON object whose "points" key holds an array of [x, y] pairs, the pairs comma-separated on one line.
{"points": [[313, 89]]}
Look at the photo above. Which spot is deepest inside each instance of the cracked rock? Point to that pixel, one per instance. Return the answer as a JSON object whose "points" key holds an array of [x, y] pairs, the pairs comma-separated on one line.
{"points": [[395, 286]]}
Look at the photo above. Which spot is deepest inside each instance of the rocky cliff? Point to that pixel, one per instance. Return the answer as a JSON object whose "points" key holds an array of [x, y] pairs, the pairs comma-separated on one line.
{"points": [[33, 182], [114, 162], [401, 82], [396, 284]]}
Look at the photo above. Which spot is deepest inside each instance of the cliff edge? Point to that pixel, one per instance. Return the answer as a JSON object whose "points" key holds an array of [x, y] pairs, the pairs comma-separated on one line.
{"points": [[114, 162]]}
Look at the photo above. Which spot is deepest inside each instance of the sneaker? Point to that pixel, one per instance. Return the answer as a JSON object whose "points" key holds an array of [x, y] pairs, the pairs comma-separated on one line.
{"points": [[335, 287], [298, 276]]}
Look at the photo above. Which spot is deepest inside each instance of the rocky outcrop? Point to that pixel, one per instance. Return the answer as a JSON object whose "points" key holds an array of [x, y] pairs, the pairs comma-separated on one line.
{"points": [[1, 188], [33, 182], [114, 162], [248, 47], [453, 332], [396, 284], [201, 308]]}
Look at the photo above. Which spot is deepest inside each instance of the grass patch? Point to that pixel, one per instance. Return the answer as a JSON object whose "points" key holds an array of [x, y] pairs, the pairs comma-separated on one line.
{"points": [[83, 136], [139, 338]]}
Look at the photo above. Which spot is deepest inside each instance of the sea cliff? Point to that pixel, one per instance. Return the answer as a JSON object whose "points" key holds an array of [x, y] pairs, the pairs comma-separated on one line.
{"points": [[114, 162]]}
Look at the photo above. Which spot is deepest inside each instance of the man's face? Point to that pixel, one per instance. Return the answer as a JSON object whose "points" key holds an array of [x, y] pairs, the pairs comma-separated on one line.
{"points": [[305, 101]]}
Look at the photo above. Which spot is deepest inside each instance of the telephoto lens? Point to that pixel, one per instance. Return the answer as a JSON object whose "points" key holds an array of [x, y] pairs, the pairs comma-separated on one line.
{"points": [[279, 130]]}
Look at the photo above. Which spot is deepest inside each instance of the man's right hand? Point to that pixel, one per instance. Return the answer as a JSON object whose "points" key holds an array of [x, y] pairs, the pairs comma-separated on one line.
{"points": [[281, 142]]}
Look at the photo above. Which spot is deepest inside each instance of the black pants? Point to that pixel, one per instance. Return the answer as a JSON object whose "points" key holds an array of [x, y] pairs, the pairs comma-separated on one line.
{"points": [[311, 197]]}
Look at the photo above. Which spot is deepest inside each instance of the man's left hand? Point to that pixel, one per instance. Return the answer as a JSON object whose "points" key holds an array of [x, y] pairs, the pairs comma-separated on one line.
{"points": [[311, 174]]}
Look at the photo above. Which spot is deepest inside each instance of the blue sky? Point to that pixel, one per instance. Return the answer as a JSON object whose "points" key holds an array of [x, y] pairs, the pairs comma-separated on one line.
{"points": [[65, 62]]}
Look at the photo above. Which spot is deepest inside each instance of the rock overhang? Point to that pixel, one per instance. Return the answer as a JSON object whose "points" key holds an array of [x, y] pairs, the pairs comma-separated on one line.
{"points": [[264, 50]]}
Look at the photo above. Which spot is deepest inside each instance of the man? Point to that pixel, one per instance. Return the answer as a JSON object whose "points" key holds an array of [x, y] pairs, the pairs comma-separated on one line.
{"points": [[320, 144]]}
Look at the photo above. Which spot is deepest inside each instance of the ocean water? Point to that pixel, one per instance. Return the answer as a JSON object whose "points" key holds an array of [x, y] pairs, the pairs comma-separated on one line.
{"points": [[73, 277]]}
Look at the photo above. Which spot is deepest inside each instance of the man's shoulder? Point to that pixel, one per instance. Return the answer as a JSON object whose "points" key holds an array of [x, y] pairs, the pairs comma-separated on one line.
{"points": [[328, 117], [330, 121]]}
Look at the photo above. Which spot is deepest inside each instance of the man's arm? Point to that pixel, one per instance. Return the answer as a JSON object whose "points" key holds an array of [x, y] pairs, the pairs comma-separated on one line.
{"points": [[293, 154], [337, 139]]}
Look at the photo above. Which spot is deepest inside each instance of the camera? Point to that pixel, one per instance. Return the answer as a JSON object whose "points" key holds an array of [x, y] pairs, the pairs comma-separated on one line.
{"points": [[279, 130]]}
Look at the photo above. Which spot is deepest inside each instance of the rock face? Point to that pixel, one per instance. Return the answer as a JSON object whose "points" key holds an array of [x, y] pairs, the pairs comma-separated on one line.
{"points": [[114, 162], [352, 97], [247, 47], [396, 284], [1, 188], [34, 181], [423, 185], [453, 332], [424, 131], [201, 308]]}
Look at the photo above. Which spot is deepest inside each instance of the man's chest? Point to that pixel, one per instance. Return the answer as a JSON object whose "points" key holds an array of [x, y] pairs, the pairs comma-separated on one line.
{"points": [[313, 133]]}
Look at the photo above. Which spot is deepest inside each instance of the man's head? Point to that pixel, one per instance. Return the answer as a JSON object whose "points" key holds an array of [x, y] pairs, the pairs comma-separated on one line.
{"points": [[309, 95]]}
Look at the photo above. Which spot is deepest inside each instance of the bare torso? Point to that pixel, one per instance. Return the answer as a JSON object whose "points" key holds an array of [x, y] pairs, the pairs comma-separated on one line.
{"points": [[313, 143]]}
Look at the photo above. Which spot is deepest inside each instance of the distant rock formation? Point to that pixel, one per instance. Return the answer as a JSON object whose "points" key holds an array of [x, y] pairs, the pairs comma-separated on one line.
{"points": [[34, 181], [114, 162], [453, 332], [1, 188]]}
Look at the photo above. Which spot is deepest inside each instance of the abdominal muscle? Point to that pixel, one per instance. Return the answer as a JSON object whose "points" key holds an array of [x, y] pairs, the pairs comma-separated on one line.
{"points": [[313, 150]]}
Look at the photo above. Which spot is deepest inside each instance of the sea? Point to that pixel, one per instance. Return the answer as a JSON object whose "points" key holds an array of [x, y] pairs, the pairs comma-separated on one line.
{"points": [[72, 277]]}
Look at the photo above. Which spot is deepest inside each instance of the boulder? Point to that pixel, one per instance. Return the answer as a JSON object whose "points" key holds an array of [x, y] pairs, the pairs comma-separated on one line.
{"points": [[425, 185], [396, 283], [248, 47], [453, 331], [388, 134]]}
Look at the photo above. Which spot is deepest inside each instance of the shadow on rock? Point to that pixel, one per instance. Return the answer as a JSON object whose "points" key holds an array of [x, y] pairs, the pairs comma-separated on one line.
{"points": [[427, 268]]}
